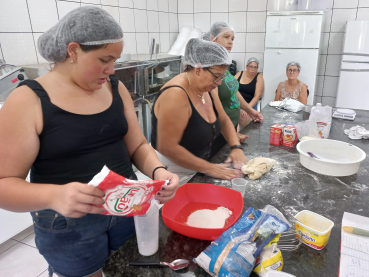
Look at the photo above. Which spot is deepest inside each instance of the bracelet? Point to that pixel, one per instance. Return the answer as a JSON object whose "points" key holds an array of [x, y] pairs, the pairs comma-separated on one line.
{"points": [[165, 167], [236, 146]]}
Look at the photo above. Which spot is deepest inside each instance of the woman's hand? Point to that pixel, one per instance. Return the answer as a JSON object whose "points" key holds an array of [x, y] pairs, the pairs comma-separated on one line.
{"points": [[222, 171], [256, 116], [167, 192], [77, 199], [244, 118], [237, 158], [241, 137]]}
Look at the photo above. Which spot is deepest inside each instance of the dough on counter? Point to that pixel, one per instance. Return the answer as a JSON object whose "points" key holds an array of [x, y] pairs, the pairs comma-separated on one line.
{"points": [[210, 219], [255, 168]]}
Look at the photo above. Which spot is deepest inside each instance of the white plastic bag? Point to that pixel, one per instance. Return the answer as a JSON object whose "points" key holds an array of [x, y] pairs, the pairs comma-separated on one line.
{"points": [[307, 128], [290, 105], [323, 118]]}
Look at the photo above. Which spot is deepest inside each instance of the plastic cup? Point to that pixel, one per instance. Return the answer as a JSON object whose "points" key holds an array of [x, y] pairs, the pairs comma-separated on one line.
{"points": [[239, 184], [147, 231]]}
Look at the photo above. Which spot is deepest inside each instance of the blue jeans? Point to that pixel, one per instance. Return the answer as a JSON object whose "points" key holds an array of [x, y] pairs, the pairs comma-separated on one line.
{"points": [[79, 246]]}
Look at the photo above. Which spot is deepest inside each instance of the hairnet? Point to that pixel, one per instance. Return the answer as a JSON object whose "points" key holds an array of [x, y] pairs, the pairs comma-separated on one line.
{"points": [[252, 59], [200, 53], [295, 64], [219, 28], [206, 36], [87, 25]]}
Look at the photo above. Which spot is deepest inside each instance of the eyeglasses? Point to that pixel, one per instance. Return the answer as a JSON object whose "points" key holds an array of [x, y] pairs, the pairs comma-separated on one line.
{"points": [[252, 67], [217, 78], [292, 70]]}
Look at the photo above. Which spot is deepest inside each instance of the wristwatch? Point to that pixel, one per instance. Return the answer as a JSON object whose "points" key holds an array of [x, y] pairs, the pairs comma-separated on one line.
{"points": [[236, 146]]}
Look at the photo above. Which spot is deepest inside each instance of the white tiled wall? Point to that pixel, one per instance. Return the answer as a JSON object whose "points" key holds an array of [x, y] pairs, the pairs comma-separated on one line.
{"points": [[248, 18], [23, 21]]}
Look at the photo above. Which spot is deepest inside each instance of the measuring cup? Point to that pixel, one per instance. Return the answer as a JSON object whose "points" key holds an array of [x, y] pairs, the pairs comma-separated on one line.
{"points": [[239, 184], [147, 230]]}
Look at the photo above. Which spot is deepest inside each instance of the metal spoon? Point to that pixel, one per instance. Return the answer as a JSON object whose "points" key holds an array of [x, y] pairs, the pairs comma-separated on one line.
{"points": [[175, 265]]}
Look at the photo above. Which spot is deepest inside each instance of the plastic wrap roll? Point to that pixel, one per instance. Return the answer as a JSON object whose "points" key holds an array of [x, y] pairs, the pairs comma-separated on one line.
{"points": [[186, 33]]}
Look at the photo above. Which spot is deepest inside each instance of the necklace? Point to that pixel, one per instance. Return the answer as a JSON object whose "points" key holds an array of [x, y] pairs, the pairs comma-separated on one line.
{"points": [[202, 97]]}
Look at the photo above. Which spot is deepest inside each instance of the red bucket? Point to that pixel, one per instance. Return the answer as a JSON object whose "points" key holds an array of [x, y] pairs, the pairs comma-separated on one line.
{"points": [[196, 196]]}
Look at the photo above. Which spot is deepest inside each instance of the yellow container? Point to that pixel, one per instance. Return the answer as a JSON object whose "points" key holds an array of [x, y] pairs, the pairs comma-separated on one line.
{"points": [[313, 228]]}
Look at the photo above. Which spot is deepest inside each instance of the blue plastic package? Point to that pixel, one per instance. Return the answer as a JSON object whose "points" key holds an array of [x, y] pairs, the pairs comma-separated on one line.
{"points": [[234, 253]]}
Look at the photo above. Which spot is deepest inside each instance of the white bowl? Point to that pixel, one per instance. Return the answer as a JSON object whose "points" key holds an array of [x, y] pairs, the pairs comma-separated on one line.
{"points": [[337, 158]]}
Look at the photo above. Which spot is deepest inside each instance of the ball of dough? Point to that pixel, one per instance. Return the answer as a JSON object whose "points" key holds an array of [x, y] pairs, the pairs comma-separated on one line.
{"points": [[255, 168]]}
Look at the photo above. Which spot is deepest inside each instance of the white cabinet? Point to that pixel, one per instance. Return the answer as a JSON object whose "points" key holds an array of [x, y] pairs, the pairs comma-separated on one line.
{"points": [[13, 223], [293, 31], [275, 61]]}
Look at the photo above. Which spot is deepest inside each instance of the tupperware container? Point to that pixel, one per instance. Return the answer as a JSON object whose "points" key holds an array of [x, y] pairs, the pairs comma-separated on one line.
{"points": [[313, 228]]}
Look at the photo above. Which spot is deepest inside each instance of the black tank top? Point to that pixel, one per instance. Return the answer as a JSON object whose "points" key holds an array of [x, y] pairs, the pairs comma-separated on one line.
{"points": [[199, 134], [248, 91], [75, 147]]}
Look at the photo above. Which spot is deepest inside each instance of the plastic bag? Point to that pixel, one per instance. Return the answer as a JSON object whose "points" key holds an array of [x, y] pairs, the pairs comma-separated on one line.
{"points": [[125, 197], [323, 118], [307, 128], [234, 253], [289, 104], [270, 258]]}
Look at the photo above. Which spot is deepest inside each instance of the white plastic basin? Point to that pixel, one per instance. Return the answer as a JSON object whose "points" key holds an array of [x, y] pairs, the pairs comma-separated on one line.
{"points": [[337, 158]]}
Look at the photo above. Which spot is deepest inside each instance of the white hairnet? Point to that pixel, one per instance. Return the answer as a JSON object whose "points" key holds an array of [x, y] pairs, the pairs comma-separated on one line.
{"points": [[252, 59], [295, 64], [87, 25], [206, 36], [219, 28], [200, 53]]}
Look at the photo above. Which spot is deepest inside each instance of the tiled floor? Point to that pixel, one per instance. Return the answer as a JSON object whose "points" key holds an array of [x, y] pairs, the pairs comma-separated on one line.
{"points": [[19, 257]]}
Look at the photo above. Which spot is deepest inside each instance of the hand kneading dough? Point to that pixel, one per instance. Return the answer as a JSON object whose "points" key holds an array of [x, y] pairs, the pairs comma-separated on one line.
{"points": [[210, 219], [255, 168]]}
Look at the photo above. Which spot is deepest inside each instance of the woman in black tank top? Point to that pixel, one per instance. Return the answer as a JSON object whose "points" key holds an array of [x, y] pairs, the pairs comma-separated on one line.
{"points": [[186, 118], [251, 83], [65, 126]]}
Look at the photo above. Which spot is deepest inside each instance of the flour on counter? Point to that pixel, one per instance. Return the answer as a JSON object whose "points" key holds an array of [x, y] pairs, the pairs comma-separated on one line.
{"points": [[210, 219]]}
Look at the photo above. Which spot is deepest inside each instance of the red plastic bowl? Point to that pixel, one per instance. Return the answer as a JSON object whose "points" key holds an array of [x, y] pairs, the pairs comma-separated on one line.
{"points": [[195, 196]]}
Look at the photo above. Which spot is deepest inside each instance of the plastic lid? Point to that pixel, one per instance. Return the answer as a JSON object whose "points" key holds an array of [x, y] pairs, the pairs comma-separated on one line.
{"points": [[274, 273], [318, 104]]}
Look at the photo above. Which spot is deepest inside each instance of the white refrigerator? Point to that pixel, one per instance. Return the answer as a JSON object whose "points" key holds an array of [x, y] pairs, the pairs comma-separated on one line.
{"points": [[353, 85], [291, 36]]}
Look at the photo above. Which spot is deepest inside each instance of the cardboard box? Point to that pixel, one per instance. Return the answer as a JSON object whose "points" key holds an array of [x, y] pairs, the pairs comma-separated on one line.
{"points": [[289, 137], [276, 134]]}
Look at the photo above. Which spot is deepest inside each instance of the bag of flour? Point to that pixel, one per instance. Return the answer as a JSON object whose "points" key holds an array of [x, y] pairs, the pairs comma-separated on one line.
{"points": [[322, 116], [125, 197], [234, 253]]}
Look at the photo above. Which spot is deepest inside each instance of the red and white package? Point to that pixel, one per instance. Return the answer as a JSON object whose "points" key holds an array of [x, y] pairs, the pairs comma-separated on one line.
{"points": [[289, 136], [276, 134], [125, 197]]}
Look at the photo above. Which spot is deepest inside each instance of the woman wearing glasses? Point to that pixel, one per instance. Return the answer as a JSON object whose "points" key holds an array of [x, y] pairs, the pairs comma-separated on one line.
{"points": [[251, 83], [231, 99], [185, 121], [292, 88]]}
